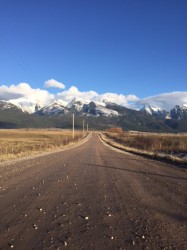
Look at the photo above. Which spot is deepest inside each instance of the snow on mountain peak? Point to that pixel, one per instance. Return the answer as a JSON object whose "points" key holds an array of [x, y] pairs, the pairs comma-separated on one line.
{"points": [[24, 105], [6, 105], [76, 104], [94, 108], [105, 111], [156, 111], [151, 109], [52, 109]]}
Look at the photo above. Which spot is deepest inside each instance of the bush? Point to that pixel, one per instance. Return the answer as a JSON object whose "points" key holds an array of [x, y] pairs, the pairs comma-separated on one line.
{"points": [[116, 130]]}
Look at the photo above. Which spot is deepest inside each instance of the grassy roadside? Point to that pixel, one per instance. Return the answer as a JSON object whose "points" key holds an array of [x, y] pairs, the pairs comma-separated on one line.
{"points": [[113, 140], [18, 143]]}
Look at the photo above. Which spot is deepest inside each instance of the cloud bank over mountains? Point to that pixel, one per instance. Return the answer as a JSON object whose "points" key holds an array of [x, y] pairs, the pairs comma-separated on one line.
{"points": [[165, 101], [24, 94]]}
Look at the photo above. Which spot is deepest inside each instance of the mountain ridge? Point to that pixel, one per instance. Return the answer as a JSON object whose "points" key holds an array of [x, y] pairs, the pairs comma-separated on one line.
{"points": [[178, 112], [77, 105], [100, 116]]}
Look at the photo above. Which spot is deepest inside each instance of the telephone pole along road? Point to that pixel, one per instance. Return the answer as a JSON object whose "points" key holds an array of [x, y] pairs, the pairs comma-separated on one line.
{"points": [[92, 197]]}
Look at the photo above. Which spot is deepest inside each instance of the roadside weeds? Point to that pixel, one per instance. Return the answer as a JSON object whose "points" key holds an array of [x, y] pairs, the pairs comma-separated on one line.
{"points": [[154, 155]]}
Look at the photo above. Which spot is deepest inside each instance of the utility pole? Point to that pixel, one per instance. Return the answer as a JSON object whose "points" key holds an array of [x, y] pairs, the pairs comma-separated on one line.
{"points": [[83, 128], [73, 135]]}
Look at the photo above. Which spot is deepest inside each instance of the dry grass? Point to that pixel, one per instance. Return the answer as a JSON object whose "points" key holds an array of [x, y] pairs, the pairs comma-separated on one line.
{"points": [[168, 146], [17, 143], [152, 141]]}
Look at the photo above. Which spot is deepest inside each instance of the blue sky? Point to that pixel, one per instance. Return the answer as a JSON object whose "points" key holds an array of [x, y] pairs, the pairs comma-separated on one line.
{"points": [[136, 47]]}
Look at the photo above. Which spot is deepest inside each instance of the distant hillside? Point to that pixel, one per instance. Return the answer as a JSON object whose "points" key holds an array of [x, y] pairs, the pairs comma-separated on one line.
{"points": [[96, 115]]}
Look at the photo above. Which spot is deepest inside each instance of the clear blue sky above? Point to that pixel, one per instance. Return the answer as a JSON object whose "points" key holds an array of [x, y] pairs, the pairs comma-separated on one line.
{"points": [[123, 46]]}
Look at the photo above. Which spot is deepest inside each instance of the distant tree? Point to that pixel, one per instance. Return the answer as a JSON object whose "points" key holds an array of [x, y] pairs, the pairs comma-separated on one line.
{"points": [[117, 130]]}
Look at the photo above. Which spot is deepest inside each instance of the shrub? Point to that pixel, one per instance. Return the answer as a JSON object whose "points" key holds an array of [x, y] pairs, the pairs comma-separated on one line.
{"points": [[116, 130]]}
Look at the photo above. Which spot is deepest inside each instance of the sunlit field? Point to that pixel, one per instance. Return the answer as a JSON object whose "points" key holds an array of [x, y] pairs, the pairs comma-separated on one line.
{"points": [[23, 142], [164, 144]]}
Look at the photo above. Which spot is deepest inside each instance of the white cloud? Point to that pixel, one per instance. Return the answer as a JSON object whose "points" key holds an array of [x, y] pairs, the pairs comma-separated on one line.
{"points": [[52, 83], [73, 92], [112, 97], [116, 98], [7, 93], [23, 94], [132, 98], [165, 101], [89, 96]]}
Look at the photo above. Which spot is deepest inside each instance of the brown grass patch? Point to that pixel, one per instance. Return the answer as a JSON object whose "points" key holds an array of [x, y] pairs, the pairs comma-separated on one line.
{"points": [[15, 143], [165, 146]]}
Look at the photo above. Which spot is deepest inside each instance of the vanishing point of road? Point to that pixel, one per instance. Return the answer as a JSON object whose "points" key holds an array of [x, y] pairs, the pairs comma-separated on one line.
{"points": [[92, 197]]}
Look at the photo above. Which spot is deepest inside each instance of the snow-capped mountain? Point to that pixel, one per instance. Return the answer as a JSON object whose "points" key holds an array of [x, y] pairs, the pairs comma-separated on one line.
{"points": [[75, 105], [105, 111], [179, 112], [90, 108], [98, 110], [155, 111], [78, 107], [5, 106], [52, 109], [25, 105], [99, 116]]}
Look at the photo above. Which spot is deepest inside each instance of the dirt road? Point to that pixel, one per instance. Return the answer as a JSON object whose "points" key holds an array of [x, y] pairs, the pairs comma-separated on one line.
{"points": [[92, 197]]}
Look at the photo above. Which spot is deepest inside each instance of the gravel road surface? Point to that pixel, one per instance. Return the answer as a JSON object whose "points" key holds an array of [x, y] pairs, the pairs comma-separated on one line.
{"points": [[92, 197]]}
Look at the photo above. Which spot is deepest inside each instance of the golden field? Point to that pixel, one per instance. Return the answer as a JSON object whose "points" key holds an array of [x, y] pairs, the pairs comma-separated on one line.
{"points": [[161, 145], [15, 143]]}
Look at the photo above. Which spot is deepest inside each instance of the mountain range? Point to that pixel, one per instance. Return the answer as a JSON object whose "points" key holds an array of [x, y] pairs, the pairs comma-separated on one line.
{"points": [[179, 112], [99, 116]]}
